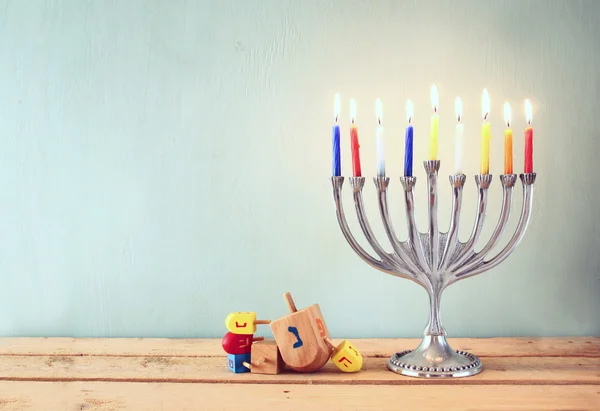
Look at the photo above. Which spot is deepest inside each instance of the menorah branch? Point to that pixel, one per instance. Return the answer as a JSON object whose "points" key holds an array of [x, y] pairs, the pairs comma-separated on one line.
{"points": [[400, 248], [527, 180], [508, 182], [414, 239], [457, 182], [483, 183], [337, 189], [390, 259]]}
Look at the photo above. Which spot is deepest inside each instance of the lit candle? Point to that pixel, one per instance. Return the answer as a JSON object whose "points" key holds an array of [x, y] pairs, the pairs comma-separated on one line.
{"points": [[485, 134], [508, 138], [408, 147], [459, 138], [528, 139], [379, 134], [337, 164], [354, 146], [433, 134]]}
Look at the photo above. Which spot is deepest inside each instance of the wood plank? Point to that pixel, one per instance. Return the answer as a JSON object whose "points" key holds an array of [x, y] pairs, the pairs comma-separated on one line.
{"points": [[499, 370], [103, 396], [144, 347]]}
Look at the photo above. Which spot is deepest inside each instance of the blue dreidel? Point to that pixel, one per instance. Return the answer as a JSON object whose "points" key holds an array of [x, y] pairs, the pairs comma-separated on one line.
{"points": [[235, 362]]}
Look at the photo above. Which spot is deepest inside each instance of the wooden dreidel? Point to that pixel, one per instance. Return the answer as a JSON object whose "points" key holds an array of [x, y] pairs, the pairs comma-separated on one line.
{"points": [[238, 343], [266, 358], [345, 356], [243, 322], [235, 362], [299, 336]]}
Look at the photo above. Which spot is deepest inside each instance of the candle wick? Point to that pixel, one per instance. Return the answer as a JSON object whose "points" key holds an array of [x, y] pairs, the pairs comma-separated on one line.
{"points": [[459, 118], [379, 121], [485, 117], [410, 120]]}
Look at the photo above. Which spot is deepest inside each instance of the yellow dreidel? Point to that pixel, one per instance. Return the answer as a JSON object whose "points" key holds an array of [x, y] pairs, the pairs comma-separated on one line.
{"points": [[345, 356], [243, 322]]}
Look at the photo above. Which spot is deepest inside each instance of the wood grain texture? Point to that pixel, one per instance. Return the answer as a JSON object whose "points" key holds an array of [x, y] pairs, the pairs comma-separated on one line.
{"points": [[102, 396], [498, 370], [369, 347], [161, 374]]}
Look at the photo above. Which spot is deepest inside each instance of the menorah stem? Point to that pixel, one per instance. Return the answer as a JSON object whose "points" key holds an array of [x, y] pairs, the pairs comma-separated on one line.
{"points": [[434, 327], [432, 167]]}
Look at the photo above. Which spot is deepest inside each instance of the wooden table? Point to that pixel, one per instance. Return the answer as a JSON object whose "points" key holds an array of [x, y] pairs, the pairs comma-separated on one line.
{"points": [[167, 374]]}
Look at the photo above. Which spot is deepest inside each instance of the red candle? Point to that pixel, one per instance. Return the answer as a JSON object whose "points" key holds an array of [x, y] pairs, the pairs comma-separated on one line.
{"points": [[528, 139], [354, 141]]}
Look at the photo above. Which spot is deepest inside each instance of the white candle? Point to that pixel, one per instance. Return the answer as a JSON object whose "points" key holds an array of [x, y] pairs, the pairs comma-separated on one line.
{"points": [[459, 138], [379, 133]]}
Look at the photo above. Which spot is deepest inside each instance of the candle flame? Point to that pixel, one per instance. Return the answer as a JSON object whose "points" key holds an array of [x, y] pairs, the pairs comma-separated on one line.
{"points": [[434, 98], [458, 109], [528, 111], [352, 111], [378, 110], [409, 111], [336, 107], [485, 104], [507, 114]]}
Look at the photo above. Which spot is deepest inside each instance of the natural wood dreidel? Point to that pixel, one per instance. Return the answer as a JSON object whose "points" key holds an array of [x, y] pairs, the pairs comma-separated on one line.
{"points": [[243, 322], [265, 358], [300, 337], [345, 356]]}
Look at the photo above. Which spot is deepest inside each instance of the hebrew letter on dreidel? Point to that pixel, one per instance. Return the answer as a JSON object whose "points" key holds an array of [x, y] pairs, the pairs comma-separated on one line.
{"points": [[298, 342]]}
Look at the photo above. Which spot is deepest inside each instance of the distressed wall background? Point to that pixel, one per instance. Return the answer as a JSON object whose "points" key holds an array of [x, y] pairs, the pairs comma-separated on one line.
{"points": [[163, 163]]}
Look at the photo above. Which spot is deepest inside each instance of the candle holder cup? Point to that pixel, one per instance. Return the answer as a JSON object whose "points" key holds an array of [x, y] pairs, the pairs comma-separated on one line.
{"points": [[435, 259]]}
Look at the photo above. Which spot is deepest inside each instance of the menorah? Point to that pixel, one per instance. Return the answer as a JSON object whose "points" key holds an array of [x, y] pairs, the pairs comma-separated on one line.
{"points": [[435, 259]]}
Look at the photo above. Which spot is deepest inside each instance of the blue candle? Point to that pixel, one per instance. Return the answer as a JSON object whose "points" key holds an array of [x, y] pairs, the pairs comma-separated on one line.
{"points": [[408, 148], [337, 163]]}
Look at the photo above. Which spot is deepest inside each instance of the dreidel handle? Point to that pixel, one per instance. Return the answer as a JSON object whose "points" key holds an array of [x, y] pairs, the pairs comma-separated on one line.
{"points": [[258, 339], [262, 322], [249, 365], [329, 343], [290, 302]]}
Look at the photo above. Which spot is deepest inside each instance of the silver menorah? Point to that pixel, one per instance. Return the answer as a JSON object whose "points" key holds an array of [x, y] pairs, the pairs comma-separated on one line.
{"points": [[435, 259]]}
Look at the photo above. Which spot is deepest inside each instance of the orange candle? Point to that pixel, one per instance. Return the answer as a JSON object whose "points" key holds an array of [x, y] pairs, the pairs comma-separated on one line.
{"points": [[508, 139]]}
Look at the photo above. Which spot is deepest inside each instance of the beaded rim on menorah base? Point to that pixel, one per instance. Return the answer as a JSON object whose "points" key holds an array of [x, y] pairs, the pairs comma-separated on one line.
{"points": [[435, 358], [435, 259]]}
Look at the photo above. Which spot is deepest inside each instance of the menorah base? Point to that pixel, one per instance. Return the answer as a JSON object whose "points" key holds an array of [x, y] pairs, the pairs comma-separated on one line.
{"points": [[434, 358]]}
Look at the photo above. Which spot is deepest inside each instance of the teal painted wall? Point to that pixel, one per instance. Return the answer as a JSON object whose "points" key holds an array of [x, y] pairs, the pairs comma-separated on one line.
{"points": [[163, 163]]}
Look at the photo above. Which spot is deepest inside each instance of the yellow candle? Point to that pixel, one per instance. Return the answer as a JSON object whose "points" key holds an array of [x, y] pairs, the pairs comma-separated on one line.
{"points": [[485, 134], [433, 133], [508, 151]]}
